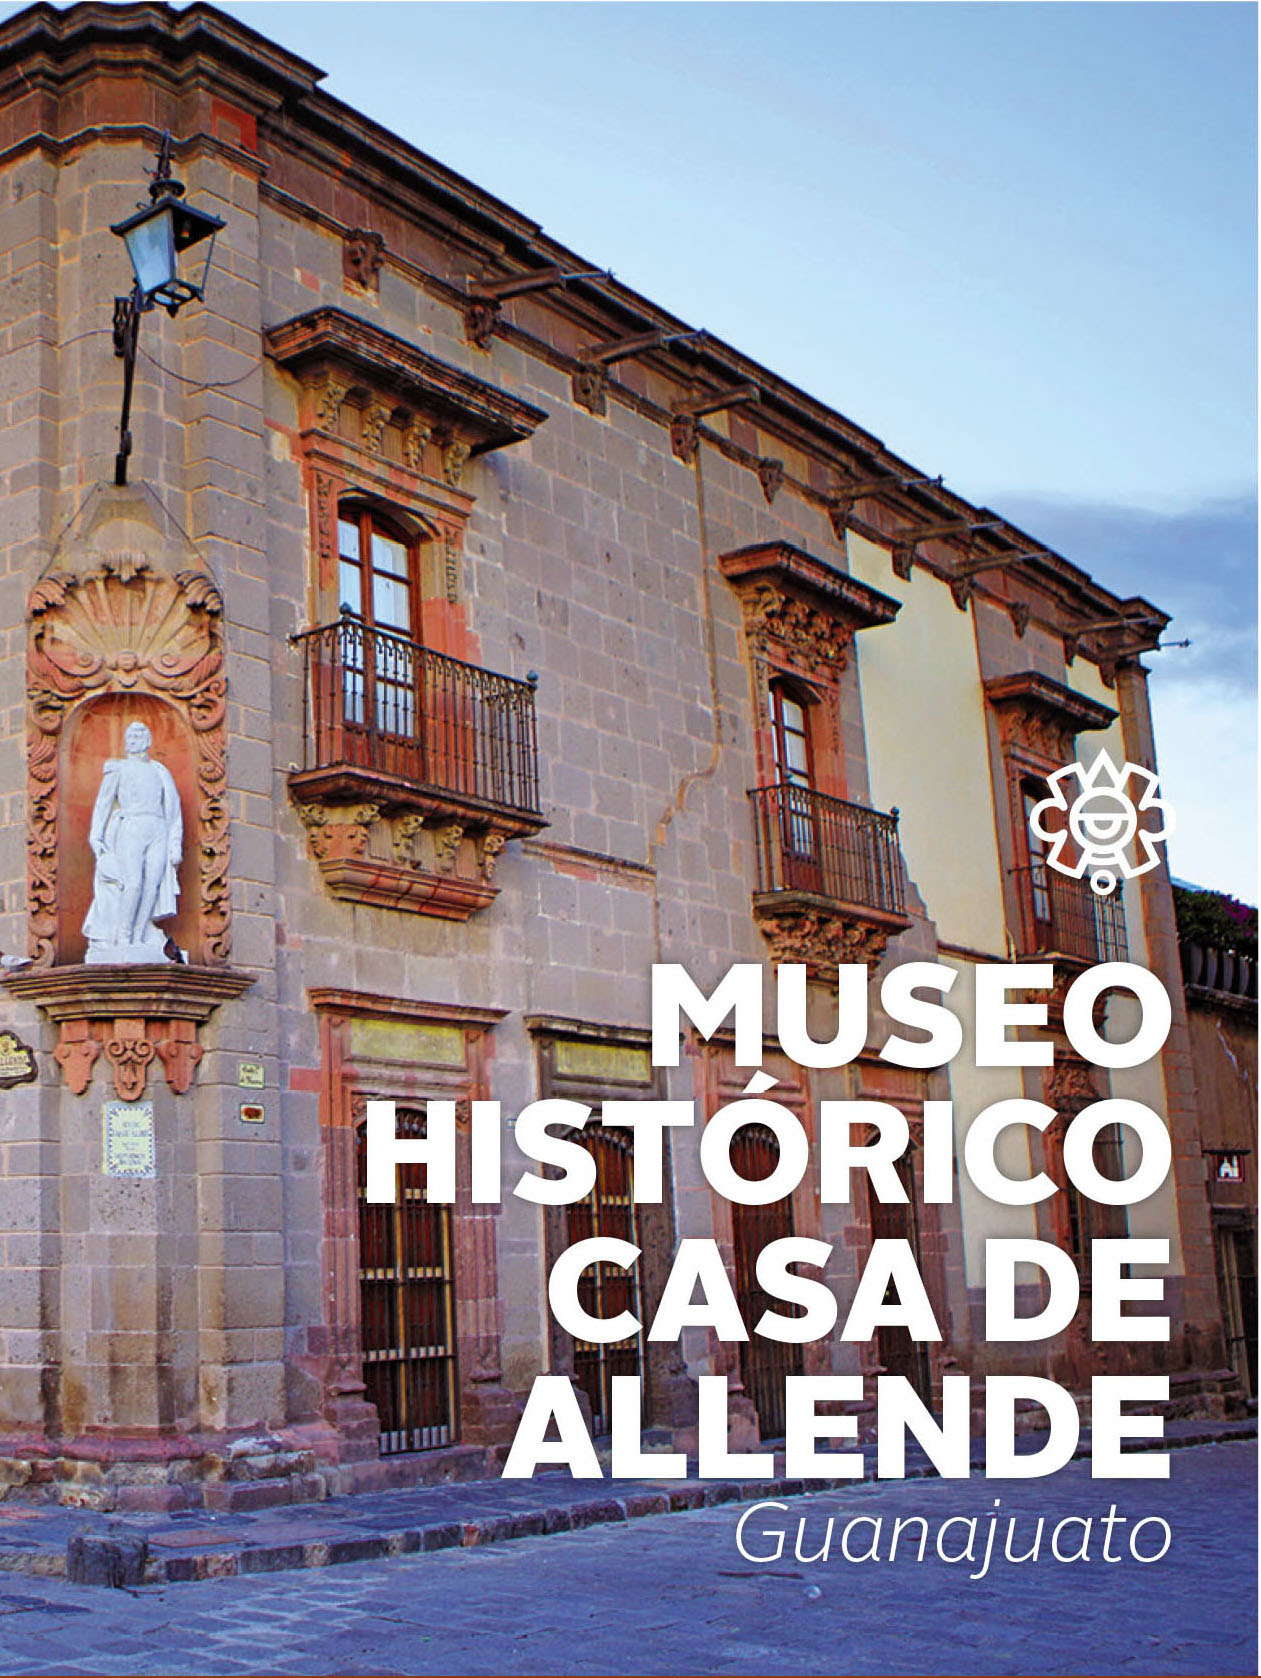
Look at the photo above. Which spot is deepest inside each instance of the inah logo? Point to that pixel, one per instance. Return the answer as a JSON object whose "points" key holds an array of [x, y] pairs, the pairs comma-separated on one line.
{"points": [[1102, 821]]}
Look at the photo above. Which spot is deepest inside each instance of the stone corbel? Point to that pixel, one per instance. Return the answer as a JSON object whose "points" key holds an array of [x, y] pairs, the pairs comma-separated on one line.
{"points": [[685, 436], [961, 591], [132, 1015], [590, 387], [903, 557], [403, 837], [770, 474], [394, 872], [362, 254], [481, 316]]}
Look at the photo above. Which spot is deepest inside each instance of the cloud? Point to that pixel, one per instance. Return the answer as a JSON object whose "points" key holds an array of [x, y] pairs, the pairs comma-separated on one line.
{"points": [[1200, 564]]}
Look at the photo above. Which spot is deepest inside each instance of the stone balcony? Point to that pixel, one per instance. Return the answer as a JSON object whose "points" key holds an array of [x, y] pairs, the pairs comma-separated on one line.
{"points": [[418, 768]]}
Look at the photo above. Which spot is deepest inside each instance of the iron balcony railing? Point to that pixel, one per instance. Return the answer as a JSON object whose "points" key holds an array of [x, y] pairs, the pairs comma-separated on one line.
{"points": [[1064, 916], [379, 702], [810, 842]]}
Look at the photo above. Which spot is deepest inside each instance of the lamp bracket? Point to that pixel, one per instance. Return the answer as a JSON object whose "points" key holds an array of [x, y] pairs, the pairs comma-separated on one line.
{"points": [[618, 349]]}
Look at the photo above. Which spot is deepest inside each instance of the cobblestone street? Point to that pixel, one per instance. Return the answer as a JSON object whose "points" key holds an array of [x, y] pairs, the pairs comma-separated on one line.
{"points": [[672, 1594]]}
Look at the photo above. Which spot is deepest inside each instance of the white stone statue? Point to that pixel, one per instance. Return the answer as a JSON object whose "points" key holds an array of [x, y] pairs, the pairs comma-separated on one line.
{"points": [[137, 837]]}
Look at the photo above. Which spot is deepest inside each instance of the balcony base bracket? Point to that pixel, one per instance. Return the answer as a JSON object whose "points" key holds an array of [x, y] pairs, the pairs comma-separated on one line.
{"points": [[823, 933], [424, 865], [133, 1015]]}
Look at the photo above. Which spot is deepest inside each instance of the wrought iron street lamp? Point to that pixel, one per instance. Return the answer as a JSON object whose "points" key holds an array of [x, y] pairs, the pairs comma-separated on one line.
{"points": [[158, 238]]}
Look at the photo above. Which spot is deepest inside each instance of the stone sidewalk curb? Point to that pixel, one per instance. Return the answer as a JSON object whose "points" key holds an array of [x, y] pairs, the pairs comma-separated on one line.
{"points": [[132, 1551]]}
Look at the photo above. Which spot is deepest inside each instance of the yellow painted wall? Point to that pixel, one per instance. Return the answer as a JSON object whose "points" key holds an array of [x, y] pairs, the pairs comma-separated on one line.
{"points": [[1158, 1215], [972, 1088], [923, 711]]}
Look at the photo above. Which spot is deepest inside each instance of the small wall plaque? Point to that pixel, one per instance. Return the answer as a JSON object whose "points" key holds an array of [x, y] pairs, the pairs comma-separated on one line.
{"points": [[128, 1149], [17, 1061], [250, 1075], [252, 1113]]}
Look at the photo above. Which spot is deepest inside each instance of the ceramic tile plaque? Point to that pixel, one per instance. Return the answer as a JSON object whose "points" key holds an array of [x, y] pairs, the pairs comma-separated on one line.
{"points": [[127, 1149]]}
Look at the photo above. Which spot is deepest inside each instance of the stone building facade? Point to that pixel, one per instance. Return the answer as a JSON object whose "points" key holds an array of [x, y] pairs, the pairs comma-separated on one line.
{"points": [[467, 594]]}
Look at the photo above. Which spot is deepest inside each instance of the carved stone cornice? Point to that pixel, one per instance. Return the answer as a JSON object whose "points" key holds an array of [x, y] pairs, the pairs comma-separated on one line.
{"points": [[823, 933], [1042, 718], [330, 343], [1069, 1086], [792, 569]]}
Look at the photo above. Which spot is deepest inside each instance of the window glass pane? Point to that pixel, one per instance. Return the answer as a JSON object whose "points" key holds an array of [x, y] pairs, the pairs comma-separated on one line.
{"points": [[350, 587], [391, 605], [347, 539], [793, 714], [797, 755], [388, 555]]}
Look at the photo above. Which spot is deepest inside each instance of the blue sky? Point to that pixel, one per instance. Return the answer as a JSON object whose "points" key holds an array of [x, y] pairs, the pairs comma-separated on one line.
{"points": [[1016, 241]]}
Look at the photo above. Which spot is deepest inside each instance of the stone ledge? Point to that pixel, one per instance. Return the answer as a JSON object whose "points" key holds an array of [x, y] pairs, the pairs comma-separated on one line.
{"points": [[375, 1527], [153, 990], [133, 1014]]}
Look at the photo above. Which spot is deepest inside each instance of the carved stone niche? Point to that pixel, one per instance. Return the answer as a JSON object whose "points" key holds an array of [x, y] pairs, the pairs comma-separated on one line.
{"points": [[1039, 719], [803, 605], [125, 625]]}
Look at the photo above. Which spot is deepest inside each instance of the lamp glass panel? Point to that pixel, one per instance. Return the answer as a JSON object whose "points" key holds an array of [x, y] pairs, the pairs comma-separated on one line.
{"points": [[151, 247]]}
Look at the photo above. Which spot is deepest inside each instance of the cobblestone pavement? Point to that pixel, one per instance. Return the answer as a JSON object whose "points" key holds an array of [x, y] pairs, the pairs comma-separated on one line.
{"points": [[672, 1594]]}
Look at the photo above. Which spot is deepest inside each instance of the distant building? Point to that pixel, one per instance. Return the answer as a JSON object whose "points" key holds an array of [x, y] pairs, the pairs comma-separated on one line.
{"points": [[503, 636], [1219, 964]]}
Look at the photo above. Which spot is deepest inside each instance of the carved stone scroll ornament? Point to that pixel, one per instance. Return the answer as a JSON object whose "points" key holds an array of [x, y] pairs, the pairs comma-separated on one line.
{"points": [[125, 629], [373, 421], [415, 436], [488, 853], [1032, 730], [455, 456], [329, 394], [403, 837], [809, 635]]}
